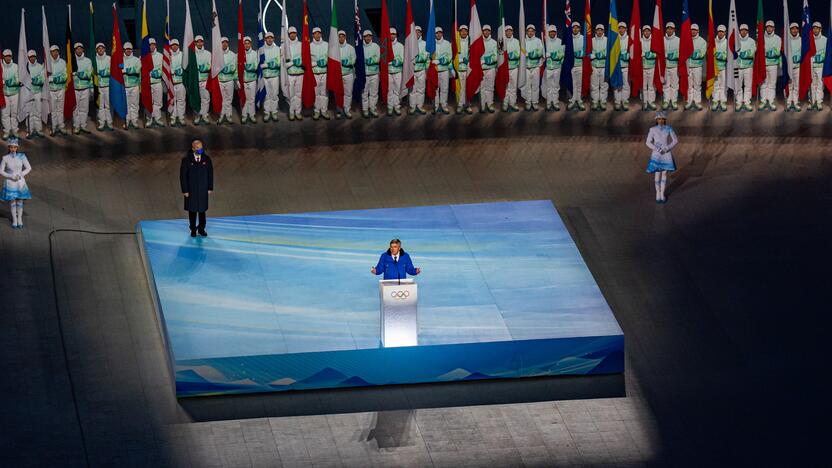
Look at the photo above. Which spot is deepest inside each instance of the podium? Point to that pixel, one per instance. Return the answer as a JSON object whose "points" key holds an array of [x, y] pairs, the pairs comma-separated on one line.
{"points": [[399, 326]]}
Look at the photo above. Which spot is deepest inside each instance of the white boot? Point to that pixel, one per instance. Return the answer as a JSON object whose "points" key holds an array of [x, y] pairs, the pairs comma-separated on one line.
{"points": [[13, 208], [19, 214]]}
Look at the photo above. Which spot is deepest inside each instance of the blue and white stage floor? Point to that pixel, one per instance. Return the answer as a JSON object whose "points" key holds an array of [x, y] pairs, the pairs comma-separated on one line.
{"points": [[287, 302]]}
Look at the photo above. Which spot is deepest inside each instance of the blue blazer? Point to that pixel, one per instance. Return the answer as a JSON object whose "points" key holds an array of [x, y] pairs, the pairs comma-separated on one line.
{"points": [[395, 270]]}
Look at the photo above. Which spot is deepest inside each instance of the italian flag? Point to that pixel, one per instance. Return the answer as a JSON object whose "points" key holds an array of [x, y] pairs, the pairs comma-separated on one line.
{"points": [[189, 67], [334, 83]]}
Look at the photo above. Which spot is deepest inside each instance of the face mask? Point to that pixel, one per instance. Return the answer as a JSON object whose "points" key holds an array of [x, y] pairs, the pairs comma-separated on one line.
{"points": [[199, 151]]}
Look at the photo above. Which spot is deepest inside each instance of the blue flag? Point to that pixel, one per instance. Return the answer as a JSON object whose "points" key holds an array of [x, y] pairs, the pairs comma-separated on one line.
{"points": [[360, 73], [612, 66], [568, 58], [260, 97], [430, 36]]}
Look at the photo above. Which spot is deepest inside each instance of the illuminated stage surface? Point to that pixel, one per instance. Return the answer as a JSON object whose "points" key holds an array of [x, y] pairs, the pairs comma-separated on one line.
{"points": [[287, 302]]}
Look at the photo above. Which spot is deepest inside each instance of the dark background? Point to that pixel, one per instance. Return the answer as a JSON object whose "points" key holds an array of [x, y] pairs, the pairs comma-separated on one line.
{"points": [[319, 12]]}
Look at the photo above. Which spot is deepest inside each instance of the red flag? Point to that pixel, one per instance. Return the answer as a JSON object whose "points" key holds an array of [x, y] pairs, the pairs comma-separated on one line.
{"points": [[309, 83], [657, 47], [587, 63], [69, 89], [710, 72], [636, 69], [241, 54], [685, 51], [759, 73], [476, 49], [386, 52]]}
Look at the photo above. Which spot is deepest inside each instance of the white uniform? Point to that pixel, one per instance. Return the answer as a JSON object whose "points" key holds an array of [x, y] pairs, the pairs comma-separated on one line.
{"points": [[534, 59], [622, 95], [11, 90], [577, 72], [293, 62], [555, 52], [57, 90], [671, 83], [102, 67], [156, 91], [599, 87], [177, 112]]}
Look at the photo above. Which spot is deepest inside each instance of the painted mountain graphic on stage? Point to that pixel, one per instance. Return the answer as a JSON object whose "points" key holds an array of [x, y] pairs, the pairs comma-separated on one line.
{"points": [[456, 374], [284, 382], [355, 381], [325, 376]]}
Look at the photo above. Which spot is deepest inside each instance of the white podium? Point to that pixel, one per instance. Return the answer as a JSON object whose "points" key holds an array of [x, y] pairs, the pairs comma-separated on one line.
{"points": [[398, 313]]}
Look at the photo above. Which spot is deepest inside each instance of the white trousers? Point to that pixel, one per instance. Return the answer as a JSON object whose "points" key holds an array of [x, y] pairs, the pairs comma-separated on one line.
{"points": [[82, 108], [794, 88], [394, 90], [369, 97], [623, 95], [9, 114], [105, 114], [272, 101], [487, 86], [156, 96], [179, 98], [648, 88], [321, 95], [442, 95], [463, 78], [532, 87], [695, 85], [295, 90], [227, 93], [720, 87], [417, 94], [599, 88], [133, 105], [348, 81], [577, 80], [57, 104], [35, 121], [671, 85], [552, 86], [204, 99], [511, 89], [250, 90], [742, 91], [816, 94], [768, 91]]}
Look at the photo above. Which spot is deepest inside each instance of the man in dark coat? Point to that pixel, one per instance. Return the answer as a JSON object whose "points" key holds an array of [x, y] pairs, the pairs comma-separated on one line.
{"points": [[196, 176]]}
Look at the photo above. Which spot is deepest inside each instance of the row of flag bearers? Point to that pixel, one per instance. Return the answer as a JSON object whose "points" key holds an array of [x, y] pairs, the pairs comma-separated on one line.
{"points": [[308, 70]]}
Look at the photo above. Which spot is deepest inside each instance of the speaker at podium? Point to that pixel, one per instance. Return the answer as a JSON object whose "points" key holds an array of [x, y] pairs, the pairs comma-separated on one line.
{"points": [[399, 324]]}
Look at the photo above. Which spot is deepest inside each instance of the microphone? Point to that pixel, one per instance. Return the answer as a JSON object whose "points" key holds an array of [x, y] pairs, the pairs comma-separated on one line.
{"points": [[398, 272]]}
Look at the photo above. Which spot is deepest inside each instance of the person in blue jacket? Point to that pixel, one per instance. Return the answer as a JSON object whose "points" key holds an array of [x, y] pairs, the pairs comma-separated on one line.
{"points": [[395, 263]]}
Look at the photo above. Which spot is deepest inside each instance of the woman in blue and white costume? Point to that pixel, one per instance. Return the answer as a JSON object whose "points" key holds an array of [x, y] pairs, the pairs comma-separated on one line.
{"points": [[14, 169], [661, 139]]}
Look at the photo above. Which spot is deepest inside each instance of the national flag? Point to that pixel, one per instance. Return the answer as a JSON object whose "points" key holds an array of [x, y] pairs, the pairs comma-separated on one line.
{"points": [[521, 69], [685, 49], [69, 89], [710, 65], [432, 75], [25, 95], [657, 47], [501, 81], [759, 72], [334, 82], [91, 48], [285, 51], [612, 67], [46, 107], [241, 54], [786, 50], [360, 71], [309, 83], [807, 52], [827, 64], [636, 70], [587, 63], [569, 50], [733, 40], [476, 48], [147, 64], [167, 54], [411, 50], [385, 45], [118, 93], [260, 96], [190, 69], [217, 61], [455, 45], [544, 33]]}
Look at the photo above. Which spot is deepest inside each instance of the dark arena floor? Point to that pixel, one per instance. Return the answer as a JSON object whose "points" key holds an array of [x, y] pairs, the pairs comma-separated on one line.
{"points": [[723, 294]]}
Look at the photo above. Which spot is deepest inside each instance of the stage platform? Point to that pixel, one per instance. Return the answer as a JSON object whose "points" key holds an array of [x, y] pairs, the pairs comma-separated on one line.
{"points": [[287, 302]]}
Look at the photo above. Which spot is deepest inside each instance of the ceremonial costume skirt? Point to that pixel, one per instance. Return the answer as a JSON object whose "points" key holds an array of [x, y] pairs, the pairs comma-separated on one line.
{"points": [[15, 190], [661, 162]]}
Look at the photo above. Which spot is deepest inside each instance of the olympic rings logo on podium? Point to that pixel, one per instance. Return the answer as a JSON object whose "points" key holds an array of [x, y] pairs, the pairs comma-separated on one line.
{"points": [[402, 295]]}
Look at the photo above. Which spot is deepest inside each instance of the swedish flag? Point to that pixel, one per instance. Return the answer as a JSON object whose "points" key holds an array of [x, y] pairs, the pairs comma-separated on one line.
{"points": [[613, 65]]}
